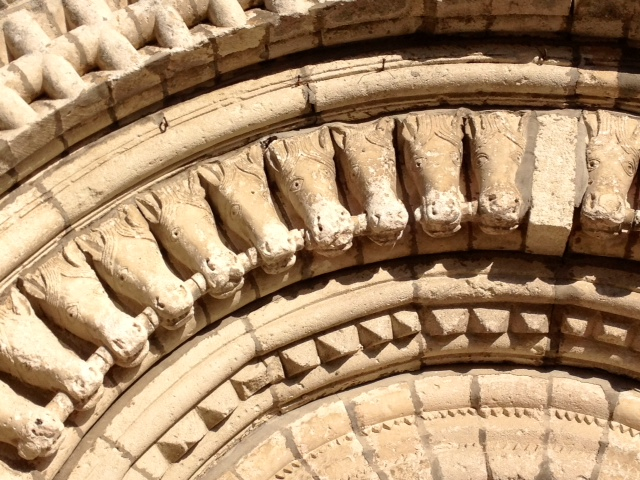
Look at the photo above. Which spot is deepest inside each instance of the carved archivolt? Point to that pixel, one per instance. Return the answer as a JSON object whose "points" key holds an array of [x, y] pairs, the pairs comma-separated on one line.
{"points": [[370, 323], [119, 250], [466, 424], [112, 285]]}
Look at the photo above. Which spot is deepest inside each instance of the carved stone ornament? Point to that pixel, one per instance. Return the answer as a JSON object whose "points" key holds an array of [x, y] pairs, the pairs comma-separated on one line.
{"points": [[612, 161], [218, 220], [127, 257], [319, 239], [497, 151], [71, 294], [181, 219], [31, 352], [304, 170], [368, 159], [238, 189], [32, 429], [432, 151]]}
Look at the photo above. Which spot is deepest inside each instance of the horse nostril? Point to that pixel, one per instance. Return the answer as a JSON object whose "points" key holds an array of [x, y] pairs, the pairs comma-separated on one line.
{"points": [[212, 266], [159, 304], [236, 272]]}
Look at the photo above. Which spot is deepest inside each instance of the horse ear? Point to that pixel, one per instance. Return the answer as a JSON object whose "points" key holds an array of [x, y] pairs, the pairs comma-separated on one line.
{"points": [[212, 174], [324, 139], [524, 120], [149, 205], [255, 155], [34, 284], [193, 181], [73, 255], [339, 135], [274, 155], [132, 216], [92, 244], [385, 124], [457, 120], [409, 128], [19, 303]]}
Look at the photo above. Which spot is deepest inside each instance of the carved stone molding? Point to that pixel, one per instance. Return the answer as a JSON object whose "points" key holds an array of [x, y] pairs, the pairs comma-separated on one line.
{"points": [[366, 324], [209, 219], [341, 191], [458, 424]]}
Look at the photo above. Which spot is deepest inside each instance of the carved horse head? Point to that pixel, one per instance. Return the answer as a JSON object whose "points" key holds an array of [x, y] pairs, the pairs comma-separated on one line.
{"points": [[432, 147], [32, 429], [612, 162], [368, 158], [303, 169], [127, 257], [240, 194], [71, 294], [497, 151], [30, 352], [181, 219]]}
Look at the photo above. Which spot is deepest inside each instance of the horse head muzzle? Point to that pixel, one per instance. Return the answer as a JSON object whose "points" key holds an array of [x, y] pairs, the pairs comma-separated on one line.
{"points": [[441, 214]]}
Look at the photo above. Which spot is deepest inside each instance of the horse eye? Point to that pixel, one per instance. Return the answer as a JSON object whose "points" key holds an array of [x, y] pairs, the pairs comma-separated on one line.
{"points": [[629, 168], [72, 311], [296, 184], [123, 274], [418, 163], [175, 233], [235, 210], [592, 164], [481, 158]]}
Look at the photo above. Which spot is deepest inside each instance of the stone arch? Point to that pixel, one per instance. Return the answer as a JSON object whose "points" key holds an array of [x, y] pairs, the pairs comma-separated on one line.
{"points": [[137, 139]]}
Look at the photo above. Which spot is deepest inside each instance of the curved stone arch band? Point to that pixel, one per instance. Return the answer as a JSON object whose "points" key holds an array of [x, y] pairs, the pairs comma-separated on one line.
{"points": [[156, 199]]}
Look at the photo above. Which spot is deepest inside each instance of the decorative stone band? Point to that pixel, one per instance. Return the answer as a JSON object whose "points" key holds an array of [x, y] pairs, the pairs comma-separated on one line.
{"points": [[109, 39], [327, 335], [330, 186], [115, 62], [459, 424]]}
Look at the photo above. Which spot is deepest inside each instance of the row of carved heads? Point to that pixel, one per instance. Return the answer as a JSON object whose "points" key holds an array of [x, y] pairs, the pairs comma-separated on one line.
{"points": [[183, 214]]}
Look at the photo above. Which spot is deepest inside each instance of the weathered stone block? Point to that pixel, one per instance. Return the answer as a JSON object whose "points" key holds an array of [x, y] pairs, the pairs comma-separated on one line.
{"points": [[405, 323], [350, 13], [558, 169], [575, 323], [443, 393], [182, 436], [300, 358], [375, 331], [508, 390], [613, 332], [218, 405], [529, 322], [581, 397], [384, 404], [153, 464], [250, 379], [446, 321], [338, 343], [325, 424], [266, 459], [489, 320], [627, 411]]}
